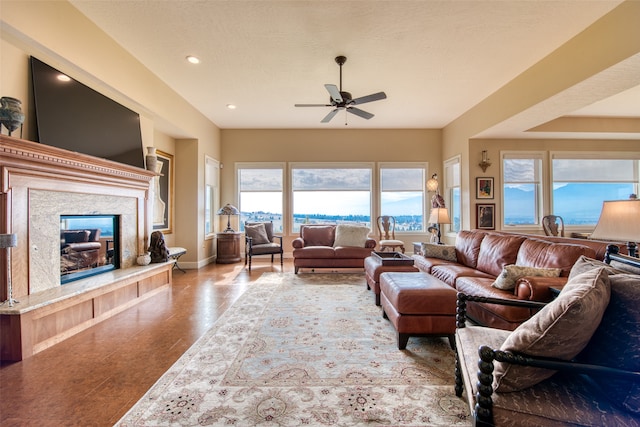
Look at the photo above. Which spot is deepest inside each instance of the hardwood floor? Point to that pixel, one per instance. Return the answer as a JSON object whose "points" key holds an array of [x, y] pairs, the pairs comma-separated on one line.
{"points": [[94, 377]]}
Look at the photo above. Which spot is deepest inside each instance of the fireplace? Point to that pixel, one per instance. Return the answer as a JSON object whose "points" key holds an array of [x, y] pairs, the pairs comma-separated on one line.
{"points": [[89, 245]]}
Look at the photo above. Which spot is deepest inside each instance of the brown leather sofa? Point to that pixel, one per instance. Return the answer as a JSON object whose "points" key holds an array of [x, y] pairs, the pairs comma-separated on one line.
{"points": [[481, 256], [314, 249]]}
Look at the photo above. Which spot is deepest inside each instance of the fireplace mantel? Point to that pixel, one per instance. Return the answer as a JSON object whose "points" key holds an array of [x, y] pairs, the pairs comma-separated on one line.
{"points": [[38, 183]]}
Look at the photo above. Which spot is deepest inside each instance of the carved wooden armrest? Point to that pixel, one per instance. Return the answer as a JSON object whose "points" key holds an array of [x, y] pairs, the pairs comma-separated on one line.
{"points": [[484, 402], [461, 305]]}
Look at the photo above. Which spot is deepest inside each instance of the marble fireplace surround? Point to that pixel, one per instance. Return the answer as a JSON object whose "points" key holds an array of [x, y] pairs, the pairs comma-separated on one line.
{"points": [[38, 183]]}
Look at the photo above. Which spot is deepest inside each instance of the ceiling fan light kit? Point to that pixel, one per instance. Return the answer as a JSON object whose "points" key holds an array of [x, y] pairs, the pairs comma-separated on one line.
{"points": [[342, 100]]}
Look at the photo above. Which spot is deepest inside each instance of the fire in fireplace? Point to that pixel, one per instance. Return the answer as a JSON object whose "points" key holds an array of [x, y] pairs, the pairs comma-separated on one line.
{"points": [[89, 245]]}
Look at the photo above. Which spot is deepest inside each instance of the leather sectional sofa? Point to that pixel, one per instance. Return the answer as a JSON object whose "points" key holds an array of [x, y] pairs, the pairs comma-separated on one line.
{"points": [[315, 249], [480, 257]]}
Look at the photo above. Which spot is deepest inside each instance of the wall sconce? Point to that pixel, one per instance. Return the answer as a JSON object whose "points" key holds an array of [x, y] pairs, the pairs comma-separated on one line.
{"points": [[432, 183], [485, 163]]}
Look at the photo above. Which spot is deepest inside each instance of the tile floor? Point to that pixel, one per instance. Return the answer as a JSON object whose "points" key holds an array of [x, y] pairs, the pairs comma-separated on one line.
{"points": [[94, 377]]}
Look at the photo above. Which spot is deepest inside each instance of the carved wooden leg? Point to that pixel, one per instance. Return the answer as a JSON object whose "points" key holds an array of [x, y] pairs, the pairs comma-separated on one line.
{"points": [[484, 403], [452, 341], [458, 373]]}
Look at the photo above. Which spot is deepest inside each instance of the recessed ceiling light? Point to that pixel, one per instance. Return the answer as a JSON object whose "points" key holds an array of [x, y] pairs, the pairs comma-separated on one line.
{"points": [[63, 78], [231, 106], [193, 59]]}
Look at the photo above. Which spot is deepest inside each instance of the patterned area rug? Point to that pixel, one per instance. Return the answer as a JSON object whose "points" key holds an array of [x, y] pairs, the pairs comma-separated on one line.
{"points": [[307, 349]]}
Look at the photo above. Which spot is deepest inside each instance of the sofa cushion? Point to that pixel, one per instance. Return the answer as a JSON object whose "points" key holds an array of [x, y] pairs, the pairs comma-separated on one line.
{"points": [[511, 273], [496, 251], [539, 253], [351, 235], [433, 250], [468, 247], [318, 235], [257, 232], [561, 330], [616, 342]]}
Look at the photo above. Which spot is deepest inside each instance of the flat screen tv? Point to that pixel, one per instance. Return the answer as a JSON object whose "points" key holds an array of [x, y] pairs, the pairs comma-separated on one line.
{"points": [[72, 116]]}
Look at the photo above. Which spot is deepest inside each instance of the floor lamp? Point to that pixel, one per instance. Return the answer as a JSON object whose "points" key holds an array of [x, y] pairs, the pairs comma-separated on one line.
{"points": [[8, 241]]}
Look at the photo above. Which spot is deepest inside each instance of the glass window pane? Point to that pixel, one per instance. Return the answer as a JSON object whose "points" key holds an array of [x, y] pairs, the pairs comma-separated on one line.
{"points": [[594, 170], [406, 206], [331, 179], [455, 211], [401, 179], [520, 204], [260, 179], [581, 203]]}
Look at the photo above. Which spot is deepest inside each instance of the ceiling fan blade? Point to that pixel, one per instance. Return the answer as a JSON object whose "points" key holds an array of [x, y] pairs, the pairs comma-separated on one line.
{"points": [[329, 116], [313, 105], [334, 92], [360, 113], [369, 98]]}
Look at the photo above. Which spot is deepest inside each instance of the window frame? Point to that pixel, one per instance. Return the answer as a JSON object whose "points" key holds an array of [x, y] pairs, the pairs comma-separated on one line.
{"points": [[541, 184], [404, 165], [281, 166], [329, 165], [212, 182], [452, 188]]}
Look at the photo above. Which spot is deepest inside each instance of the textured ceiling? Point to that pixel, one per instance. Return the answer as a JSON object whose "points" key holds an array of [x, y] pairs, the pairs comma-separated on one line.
{"points": [[434, 59]]}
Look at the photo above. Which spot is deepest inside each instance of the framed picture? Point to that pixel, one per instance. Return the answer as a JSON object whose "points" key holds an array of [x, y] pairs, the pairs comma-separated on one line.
{"points": [[484, 188], [163, 194], [485, 216]]}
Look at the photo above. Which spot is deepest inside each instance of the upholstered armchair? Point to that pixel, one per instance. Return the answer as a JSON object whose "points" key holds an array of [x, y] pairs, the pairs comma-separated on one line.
{"points": [[575, 362], [260, 240]]}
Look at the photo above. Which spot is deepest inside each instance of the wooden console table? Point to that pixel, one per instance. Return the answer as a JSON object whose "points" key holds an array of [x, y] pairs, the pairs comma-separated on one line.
{"points": [[228, 246]]}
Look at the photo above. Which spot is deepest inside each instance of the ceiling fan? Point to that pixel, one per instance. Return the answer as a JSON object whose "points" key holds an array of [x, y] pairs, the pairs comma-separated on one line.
{"points": [[341, 100]]}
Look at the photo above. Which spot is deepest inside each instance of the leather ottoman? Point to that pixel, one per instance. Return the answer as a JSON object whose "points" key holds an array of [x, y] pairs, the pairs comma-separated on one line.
{"points": [[418, 304], [374, 267]]}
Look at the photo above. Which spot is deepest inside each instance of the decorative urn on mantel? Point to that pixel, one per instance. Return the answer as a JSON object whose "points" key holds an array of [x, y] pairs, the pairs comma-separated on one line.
{"points": [[11, 115], [151, 159]]}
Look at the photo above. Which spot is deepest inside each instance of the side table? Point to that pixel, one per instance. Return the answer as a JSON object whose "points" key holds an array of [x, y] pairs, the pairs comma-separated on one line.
{"points": [[228, 247]]}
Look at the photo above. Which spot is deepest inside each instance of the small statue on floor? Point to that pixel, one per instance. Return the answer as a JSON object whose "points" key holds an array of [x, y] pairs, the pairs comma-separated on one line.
{"points": [[158, 248]]}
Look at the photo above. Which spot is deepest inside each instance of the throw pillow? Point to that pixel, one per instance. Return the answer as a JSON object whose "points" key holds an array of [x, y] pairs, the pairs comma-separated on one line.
{"points": [[511, 273], [616, 342], [584, 264], [351, 235], [80, 236], [446, 252], [258, 233], [562, 329]]}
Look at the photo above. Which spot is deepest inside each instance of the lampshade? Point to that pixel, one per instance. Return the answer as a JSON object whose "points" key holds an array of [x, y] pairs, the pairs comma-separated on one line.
{"points": [[432, 183], [228, 209], [8, 240], [619, 221], [439, 216]]}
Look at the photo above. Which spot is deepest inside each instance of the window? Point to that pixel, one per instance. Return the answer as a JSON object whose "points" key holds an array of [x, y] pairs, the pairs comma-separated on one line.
{"points": [[402, 195], [211, 174], [260, 189], [330, 194], [521, 192], [582, 182], [453, 193]]}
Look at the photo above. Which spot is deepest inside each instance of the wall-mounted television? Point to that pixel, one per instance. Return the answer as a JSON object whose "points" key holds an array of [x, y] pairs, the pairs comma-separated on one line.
{"points": [[73, 116]]}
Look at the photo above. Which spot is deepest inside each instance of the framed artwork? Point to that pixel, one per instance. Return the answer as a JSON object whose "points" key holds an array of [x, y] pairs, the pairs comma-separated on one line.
{"points": [[484, 188], [485, 216], [163, 194]]}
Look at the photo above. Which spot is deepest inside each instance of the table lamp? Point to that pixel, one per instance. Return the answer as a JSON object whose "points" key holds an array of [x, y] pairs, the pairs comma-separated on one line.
{"points": [[228, 210], [619, 221], [439, 216], [8, 241]]}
